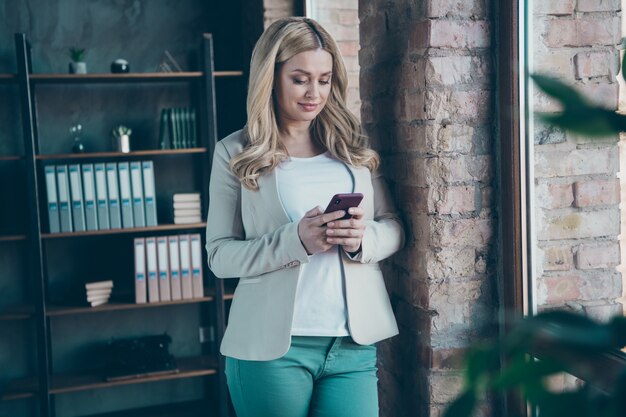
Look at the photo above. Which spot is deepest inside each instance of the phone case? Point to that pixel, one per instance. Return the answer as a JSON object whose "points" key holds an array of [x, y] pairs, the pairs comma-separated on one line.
{"points": [[344, 202]]}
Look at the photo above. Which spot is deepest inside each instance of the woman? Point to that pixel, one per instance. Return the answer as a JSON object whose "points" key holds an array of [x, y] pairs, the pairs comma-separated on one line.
{"points": [[311, 300]]}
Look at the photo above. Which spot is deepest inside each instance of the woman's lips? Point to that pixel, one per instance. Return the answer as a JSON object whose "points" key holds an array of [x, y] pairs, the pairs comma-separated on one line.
{"points": [[308, 106]]}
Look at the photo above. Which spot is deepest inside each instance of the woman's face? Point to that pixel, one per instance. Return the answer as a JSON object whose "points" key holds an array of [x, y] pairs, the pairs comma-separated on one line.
{"points": [[302, 86]]}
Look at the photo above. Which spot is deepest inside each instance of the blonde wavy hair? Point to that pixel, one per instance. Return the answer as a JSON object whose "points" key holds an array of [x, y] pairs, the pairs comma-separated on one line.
{"points": [[335, 128]]}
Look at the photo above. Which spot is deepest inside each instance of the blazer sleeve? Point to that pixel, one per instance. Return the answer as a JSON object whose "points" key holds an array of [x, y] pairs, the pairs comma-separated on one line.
{"points": [[384, 235], [229, 254]]}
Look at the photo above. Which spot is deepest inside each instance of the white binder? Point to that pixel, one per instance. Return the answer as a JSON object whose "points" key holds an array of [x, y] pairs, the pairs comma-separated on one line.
{"points": [[76, 191], [137, 186], [175, 286], [115, 215], [185, 266], [102, 196], [53, 201], [153, 278], [125, 195], [164, 269], [140, 271], [149, 193], [89, 194], [197, 285]]}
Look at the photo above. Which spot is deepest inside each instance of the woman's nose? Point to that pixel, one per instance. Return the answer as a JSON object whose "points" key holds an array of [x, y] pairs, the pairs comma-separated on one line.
{"points": [[312, 90]]}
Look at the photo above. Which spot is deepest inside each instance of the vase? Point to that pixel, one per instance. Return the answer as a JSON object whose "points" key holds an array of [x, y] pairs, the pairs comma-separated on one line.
{"points": [[78, 68], [123, 143]]}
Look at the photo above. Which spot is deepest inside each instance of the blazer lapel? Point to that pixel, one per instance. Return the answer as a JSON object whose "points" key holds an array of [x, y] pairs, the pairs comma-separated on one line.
{"points": [[269, 192]]}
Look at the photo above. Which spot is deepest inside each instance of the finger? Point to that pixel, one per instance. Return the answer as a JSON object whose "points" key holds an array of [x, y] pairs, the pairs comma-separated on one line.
{"points": [[354, 233], [351, 242], [356, 212], [347, 224], [329, 217], [315, 211]]}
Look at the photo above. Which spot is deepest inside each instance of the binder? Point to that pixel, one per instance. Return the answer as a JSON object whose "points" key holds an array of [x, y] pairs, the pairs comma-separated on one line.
{"points": [[76, 191], [137, 190], [140, 271], [173, 128], [149, 192], [53, 201], [125, 195], [197, 285], [102, 196], [89, 194], [175, 286], [115, 215], [164, 139], [194, 131], [65, 211], [185, 267], [164, 269], [153, 279]]}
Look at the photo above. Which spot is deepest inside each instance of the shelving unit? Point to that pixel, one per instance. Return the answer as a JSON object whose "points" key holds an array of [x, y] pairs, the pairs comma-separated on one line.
{"points": [[45, 267]]}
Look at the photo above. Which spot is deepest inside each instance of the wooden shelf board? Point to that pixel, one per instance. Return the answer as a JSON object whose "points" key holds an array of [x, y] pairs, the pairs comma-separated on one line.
{"points": [[152, 152], [160, 228], [13, 238], [19, 389], [188, 368], [11, 157], [181, 409], [129, 77], [18, 312], [56, 310], [7, 78]]}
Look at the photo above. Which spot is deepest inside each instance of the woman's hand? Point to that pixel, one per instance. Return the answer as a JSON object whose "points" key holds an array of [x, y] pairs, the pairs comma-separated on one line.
{"points": [[347, 233], [312, 229]]}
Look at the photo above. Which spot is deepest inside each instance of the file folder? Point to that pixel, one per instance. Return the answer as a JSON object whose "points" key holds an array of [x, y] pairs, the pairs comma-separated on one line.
{"points": [[164, 269], [174, 268], [102, 196], [125, 195], [115, 215], [149, 193], [197, 285], [53, 201], [153, 279], [137, 191], [140, 271], [185, 267], [89, 194], [76, 192], [65, 210]]}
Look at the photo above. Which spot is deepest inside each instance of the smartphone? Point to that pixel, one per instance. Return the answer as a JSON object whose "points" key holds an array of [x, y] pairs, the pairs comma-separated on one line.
{"points": [[344, 202]]}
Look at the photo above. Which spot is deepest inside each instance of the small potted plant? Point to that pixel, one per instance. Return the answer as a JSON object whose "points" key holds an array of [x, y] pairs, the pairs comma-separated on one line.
{"points": [[122, 138], [78, 64]]}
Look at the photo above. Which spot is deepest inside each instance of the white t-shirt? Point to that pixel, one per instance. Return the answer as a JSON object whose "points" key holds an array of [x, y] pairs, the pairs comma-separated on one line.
{"points": [[304, 183]]}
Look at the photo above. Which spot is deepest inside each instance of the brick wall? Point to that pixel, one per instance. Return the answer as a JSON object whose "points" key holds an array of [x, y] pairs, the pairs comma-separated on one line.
{"points": [[577, 192], [427, 102]]}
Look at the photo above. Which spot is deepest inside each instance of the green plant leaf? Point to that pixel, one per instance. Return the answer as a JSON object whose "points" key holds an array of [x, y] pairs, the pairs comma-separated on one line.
{"points": [[462, 406], [564, 93], [521, 370]]}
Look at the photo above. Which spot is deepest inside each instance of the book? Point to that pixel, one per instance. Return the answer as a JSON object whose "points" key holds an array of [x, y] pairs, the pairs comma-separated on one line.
{"points": [[98, 285], [102, 196], [175, 286], [187, 212], [193, 128], [151, 263], [65, 210], [92, 298], [53, 201], [98, 303], [197, 283], [164, 133], [141, 295], [100, 292], [115, 215], [187, 205], [89, 194], [185, 266], [164, 269], [147, 168], [185, 197], [76, 192], [125, 195], [187, 219], [139, 216]]}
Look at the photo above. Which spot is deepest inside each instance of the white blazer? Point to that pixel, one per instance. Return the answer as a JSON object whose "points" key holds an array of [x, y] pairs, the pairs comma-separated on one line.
{"points": [[250, 236]]}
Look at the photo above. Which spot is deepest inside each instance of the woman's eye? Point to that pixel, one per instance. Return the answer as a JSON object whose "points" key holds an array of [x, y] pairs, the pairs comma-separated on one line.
{"points": [[299, 82], [324, 82]]}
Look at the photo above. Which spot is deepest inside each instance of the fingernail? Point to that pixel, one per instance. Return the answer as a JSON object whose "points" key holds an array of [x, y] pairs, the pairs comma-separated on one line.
{"points": [[330, 224]]}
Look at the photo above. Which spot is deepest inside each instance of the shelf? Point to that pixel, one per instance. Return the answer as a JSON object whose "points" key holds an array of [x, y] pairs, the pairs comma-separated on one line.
{"points": [[63, 383], [188, 368], [11, 158], [12, 238], [7, 78], [18, 312], [57, 310], [94, 155], [126, 78], [184, 409], [160, 228]]}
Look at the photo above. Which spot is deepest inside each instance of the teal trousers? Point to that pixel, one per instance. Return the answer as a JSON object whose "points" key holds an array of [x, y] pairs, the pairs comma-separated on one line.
{"points": [[318, 377]]}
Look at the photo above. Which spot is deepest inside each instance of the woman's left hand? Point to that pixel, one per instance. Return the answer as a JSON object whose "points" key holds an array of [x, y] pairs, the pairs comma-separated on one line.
{"points": [[347, 233]]}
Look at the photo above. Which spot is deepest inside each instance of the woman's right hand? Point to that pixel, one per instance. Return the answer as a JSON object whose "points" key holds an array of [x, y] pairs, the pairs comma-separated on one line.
{"points": [[312, 229]]}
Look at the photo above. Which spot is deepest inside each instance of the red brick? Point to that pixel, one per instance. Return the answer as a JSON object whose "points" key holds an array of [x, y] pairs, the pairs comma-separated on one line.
{"points": [[597, 192], [348, 48], [595, 64], [553, 196], [598, 6], [554, 7], [574, 32], [462, 8], [456, 200], [459, 34], [601, 256], [558, 258], [559, 289]]}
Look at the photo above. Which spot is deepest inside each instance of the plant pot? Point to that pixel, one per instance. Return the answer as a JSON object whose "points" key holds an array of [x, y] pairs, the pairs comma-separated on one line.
{"points": [[78, 68], [122, 143]]}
